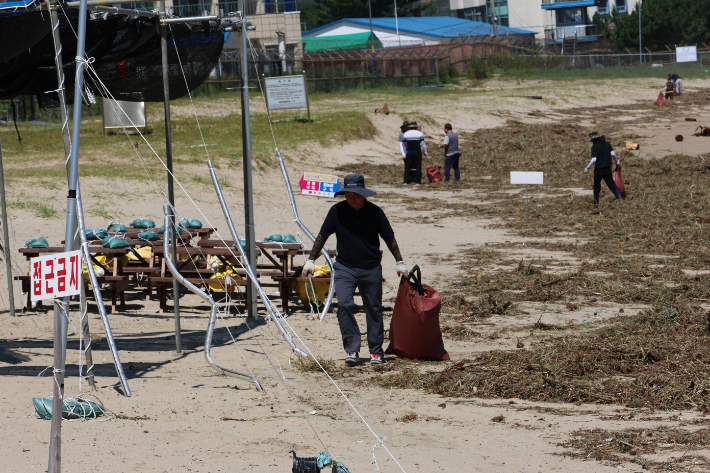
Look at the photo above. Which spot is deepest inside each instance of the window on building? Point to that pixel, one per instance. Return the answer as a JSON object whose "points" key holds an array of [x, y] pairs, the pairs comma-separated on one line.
{"points": [[483, 15], [572, 16], [606, 6]]}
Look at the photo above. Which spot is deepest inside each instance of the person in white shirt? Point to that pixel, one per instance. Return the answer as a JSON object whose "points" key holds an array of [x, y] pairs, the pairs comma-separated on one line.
{"points": [[413, 147]]}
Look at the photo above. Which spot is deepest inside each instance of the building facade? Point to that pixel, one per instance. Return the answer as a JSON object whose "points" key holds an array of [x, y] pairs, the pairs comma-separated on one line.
{"points": [[553, 19]]}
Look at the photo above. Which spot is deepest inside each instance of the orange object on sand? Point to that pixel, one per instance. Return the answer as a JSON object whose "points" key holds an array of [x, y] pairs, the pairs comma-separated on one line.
{"points": [[632, 146]]}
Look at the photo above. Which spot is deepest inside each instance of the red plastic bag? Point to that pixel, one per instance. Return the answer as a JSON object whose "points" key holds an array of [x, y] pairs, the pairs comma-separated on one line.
{"points": [[659, 100], [618, 181], [433, 173], [414, 330]]}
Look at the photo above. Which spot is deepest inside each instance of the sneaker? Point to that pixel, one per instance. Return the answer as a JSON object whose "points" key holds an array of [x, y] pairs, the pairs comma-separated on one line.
{"points": [[405, 183], [377, 359], [418, 184], [352, 359]]}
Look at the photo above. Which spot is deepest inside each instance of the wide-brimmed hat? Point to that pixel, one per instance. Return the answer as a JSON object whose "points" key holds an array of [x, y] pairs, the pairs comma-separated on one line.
{"points": [[404, 126], [355, 183], [593, 135]]}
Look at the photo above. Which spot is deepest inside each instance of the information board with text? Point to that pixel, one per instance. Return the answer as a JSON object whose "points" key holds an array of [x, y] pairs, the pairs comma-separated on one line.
{"points": [[286, 92]]}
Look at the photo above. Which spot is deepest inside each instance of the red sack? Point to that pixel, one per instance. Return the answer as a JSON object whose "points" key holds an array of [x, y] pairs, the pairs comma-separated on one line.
{"points": [[415, 321], [433, 173], [659, 100], [618, 181]]}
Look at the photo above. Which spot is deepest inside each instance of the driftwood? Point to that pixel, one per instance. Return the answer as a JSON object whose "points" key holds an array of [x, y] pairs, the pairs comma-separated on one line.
{"points": [[632, 146], [702, 131]]}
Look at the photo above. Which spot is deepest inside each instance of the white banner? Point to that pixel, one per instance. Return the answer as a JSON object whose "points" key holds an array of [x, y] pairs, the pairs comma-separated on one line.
{"points": [[120, 113], [686, 54], [55, 275], [286, 92], [517, 177]]}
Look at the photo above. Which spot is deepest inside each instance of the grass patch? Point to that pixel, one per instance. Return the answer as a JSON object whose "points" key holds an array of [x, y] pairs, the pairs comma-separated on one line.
{"points": [[40, 209], [309, 365]]}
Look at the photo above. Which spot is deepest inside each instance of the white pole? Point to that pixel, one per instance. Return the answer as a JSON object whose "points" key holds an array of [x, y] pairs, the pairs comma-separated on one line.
{"points": [[396, 23], [640, 46]]}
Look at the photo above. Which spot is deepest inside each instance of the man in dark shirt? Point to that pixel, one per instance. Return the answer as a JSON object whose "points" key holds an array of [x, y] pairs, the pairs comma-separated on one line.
{"points": [[358, 225], [602, 154]]}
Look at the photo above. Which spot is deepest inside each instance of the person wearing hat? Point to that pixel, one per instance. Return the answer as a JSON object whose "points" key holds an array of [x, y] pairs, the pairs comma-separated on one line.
{"points": [[411, 144], [602, 155], [358, 225]]}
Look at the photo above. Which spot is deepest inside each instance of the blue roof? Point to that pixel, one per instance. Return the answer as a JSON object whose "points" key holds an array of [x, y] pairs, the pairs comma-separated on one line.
{"points": [[568, 4], [16, 5], [436, 26]]}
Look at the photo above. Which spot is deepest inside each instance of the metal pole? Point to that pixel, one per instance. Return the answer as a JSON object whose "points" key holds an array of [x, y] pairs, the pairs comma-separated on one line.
{"points": [[60, 320], [308, 102], [640, 46], [6, 237], [59, 63], [493, 14], [169, 161], [246, 161]]}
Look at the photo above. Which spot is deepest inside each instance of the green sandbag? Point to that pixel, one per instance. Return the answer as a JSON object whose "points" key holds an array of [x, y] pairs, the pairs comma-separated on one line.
{"points": [[142, 223], [176, 230], [115, 242], [117, 227], [98, 234], [81, 408], [275, 237], [242, 243], [188, 223], [147, 235], [288, 238], [37, 243]]}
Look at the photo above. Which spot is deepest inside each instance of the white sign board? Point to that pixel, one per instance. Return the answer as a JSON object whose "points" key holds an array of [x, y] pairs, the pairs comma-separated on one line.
{"points": [[321, 185], [517, 177], [55, 275], [120, 113], [686, 54], [286, 92]]}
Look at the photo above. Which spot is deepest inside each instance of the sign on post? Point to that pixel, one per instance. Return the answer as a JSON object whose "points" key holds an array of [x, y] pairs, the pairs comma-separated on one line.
{"points": [[55, 275], [287, 92], [322, 185], [518, 177], [686, 54], [118, 114]]}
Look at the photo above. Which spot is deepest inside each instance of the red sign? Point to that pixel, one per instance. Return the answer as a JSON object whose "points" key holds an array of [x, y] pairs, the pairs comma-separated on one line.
{"points": [[55, 275]]}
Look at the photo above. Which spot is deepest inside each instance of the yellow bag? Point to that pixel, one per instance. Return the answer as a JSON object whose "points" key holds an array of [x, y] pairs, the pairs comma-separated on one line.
{"points": [[227, 285], [145, 251], [316, 294], [106, 264]]}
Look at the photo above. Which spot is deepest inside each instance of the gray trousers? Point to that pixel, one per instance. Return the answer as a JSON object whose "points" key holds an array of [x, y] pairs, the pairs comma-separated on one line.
{"points": [[369, 282]]}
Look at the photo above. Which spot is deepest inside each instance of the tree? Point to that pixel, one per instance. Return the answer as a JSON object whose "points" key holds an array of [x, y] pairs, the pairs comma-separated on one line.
{"points": [[321, 12], [664, 23]]}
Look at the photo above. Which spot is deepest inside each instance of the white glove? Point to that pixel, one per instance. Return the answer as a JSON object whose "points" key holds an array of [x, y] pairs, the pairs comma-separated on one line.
{"points": [[402, 269], [309, 267], [586, 170]]}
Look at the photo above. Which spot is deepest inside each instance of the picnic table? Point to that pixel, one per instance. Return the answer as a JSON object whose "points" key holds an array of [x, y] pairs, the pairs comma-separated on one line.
{"points": [[279, 266], [198, 272]]}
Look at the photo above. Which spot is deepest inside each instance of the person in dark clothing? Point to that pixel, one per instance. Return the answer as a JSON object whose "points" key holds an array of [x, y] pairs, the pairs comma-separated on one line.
{"points": [[451, 153], [411, 144], [358, 225], [602, 155], [669, 92]]}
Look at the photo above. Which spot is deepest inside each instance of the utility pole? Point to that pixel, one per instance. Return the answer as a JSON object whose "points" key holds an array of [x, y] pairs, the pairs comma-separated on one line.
{"points": [[250, 249], [640, 45], [493, 15]]}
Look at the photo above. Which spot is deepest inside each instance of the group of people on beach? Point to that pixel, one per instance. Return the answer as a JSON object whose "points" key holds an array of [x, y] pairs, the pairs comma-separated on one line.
{"points": [[413, 147]]}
